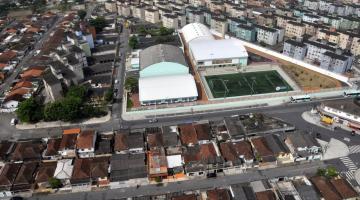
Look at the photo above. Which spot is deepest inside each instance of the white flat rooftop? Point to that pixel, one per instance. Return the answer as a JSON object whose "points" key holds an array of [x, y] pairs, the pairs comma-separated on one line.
{"points": [[217, 49], [174, 161], [167, 87]]}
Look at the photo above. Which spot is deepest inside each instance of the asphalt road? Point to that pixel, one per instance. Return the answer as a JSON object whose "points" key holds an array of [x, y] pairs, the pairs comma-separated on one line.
{"points": [[220, 181]]}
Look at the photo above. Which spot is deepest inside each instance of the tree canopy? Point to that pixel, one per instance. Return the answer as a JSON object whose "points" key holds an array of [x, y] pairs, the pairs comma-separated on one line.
{"points": [[81, 14], [30, 111], [133, 42], [99, 23], [131, 84]]}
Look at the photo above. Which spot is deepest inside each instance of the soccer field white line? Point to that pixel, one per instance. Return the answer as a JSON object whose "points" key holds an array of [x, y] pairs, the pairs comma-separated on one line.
{"points": [[348, 163], [354, 149]]}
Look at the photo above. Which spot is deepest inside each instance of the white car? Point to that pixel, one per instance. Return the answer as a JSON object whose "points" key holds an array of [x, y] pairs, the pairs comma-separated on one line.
{"points": [[13, 122]]}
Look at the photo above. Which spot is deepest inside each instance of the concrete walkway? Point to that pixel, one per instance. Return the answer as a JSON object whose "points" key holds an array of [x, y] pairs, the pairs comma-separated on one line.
{"points": [[60, 123], [333, 149], [357, 176]]}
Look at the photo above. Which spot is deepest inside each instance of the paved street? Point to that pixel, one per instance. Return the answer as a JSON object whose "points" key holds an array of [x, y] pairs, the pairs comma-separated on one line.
{"points": [[187, 185]]}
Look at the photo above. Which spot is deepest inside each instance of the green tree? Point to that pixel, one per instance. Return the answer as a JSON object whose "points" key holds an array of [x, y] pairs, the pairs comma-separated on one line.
{"points": [[53, 111], [30, 111], [321, 172], [99, 23], [71, 108], [55, 183], [109, 95], [131, 84], [129, 103], [38, 5], [331, 172], [133, 42], [81, 14], [77, 91], [165, 31]]}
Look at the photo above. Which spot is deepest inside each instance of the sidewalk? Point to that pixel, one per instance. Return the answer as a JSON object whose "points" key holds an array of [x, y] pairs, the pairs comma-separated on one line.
{"points": [[63, 124], [333, 149]]}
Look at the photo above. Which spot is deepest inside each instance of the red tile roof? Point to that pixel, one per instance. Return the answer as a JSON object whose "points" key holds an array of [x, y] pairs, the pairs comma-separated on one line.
{"points": [[325, 188], [345, 190], [46, 170], [7, 56], [188, 134], [265, 195], [218, 194], [23, 84], [86, 139], [121, 142]]}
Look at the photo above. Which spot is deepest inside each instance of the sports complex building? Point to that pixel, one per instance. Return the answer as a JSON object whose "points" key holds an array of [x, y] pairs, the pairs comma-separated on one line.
{"points": [[164, 76], [205, 51], [222, 65]]}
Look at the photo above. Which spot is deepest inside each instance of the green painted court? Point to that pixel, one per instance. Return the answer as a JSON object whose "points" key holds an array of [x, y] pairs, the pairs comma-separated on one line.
{"points": [[251, 83]]}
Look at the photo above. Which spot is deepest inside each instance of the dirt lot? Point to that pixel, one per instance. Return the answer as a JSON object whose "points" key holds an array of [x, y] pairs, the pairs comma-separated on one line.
{"points": [[306, 79], [309, 80]]}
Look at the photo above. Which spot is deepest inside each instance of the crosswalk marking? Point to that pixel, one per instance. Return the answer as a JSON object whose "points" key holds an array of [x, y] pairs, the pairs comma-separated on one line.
{"points": [[349, 175], [354, 149], [348, 163]]}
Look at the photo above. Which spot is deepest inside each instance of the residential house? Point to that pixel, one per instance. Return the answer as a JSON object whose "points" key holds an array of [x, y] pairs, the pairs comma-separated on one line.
{"points": [[204, 159], [85, 143], [263, 153], [25, 177], [6, 148], [46, 171], [218, 194], [28, 150], [188, 135], [266, 195], [325, 188], [89, 171], [154, 137], [237, 155], [344, 189], [64, 169], [282, 20], [104, 144], [171, 137], [157, 163], [277, 145], [8, 174], [53, 88], [52, 149], [67, 148], [125, 142], [294, 49], [242, 191], [127, 169], [203, 132], [303, 146]]}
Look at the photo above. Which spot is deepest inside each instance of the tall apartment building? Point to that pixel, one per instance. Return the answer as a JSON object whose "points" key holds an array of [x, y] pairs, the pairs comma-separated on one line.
{"points": [[139, 12], [336, 61], [170, 21], [316, 49], [152, 15], [330, 36], [294, 29], [219, 24], [269, 36], [294, 49]]}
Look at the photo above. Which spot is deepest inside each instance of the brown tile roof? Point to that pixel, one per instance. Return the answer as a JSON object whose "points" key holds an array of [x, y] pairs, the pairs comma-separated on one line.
{"points": [[218, 194], [265, 195], [6, 148], [86, 139], [68, 142], [155, 140], [23, 84], [261, 147], [343, 187], [203, 131], [31, 73], [26, 176], [121, 142], [8, 174], [29, 150], [45, 171], [325, 188], [52, 146], [7, 56], [204, 152], [232, 151], [187, 134], [2, 65], [19, 91], [185, 197], [87, 168]]}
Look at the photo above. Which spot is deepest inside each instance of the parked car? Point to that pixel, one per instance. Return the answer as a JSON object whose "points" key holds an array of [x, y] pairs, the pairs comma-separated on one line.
{"points": [[13, 121]]}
